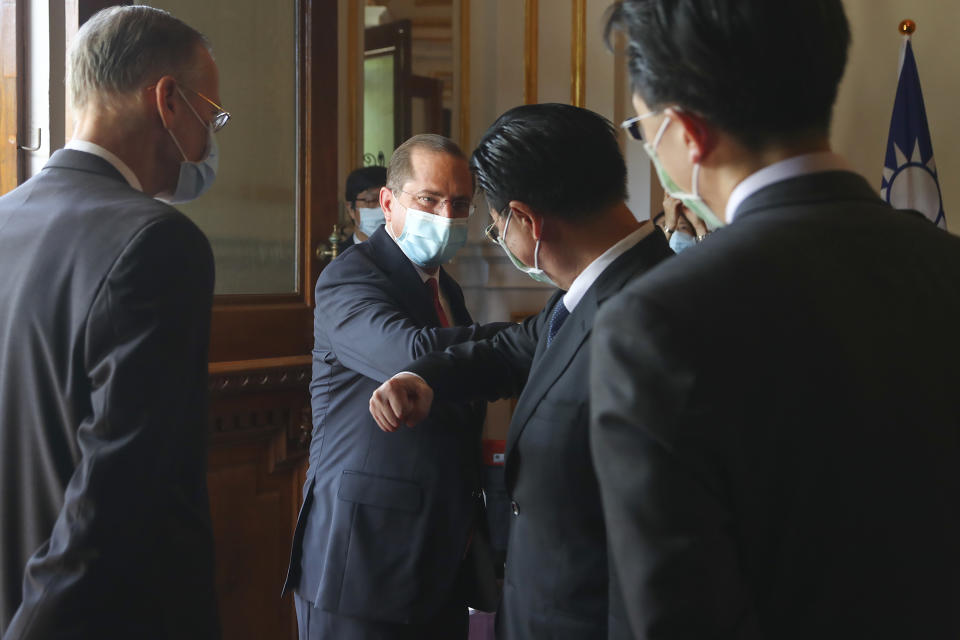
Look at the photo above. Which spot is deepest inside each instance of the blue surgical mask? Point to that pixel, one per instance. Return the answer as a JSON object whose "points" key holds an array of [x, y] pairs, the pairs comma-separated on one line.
{"points": [[692, 201], [681, 240], [195, 177], [370, 219], [535, 271], [430, 240]]}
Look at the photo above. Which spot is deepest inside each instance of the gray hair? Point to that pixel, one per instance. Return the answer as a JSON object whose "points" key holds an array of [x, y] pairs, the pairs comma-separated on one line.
{"points": [[400, 169], [123, 49]]}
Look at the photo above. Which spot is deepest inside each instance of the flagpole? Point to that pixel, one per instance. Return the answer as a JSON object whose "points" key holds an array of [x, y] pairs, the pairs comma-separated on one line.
{"points": [[906, 29]]}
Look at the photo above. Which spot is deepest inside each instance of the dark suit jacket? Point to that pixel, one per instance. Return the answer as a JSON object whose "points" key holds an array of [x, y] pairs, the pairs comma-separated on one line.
{"points": [[776, 425], [556, 573], [346, 244], [386, 516], [103, 374]]}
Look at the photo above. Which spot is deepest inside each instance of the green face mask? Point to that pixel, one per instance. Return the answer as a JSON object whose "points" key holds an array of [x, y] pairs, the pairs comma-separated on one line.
{"points": [[535, 271], [691, 201]]}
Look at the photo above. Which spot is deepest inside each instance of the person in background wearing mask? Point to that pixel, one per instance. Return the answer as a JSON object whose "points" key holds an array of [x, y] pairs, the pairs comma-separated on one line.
{"points": [[775, 413], [682, 227], [363, 203], [103, 348], [383, 544], [555, 181]]}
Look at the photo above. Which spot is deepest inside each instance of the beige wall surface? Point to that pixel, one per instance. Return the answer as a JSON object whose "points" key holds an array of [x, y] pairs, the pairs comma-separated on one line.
{"points": [[862, 114]]}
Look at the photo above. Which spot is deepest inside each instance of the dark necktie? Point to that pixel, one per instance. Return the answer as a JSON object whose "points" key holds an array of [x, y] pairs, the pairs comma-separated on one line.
{"points": [[557, 318], [435, 290]]}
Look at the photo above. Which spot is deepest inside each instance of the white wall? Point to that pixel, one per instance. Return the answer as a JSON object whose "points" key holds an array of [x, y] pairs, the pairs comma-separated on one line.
{"points": [[862, 114]]}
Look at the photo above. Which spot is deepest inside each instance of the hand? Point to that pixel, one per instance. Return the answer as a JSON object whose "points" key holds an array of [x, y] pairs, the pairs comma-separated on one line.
{"points": [[677, 217], [403, 399]]}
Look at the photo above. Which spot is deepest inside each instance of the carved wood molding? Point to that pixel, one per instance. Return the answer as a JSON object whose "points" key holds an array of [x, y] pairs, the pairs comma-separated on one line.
{"points": [[262, 400], [255, 376]]}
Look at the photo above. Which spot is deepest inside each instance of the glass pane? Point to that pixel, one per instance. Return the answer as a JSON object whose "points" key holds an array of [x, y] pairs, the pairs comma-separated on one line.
{"points": [[378, 135], [250, 214]]}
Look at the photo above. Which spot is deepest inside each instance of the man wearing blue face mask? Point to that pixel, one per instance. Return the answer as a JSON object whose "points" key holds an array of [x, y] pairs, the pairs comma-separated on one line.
{"points": [[682, 228], [363, 203], [104, 518], [555, 182], [381, 304]]}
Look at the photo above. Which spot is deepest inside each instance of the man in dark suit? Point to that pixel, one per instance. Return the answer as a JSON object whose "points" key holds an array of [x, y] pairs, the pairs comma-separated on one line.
{"points": [[555, 181], [103, 349], [362, 195], [775, 414], [379, 549]]}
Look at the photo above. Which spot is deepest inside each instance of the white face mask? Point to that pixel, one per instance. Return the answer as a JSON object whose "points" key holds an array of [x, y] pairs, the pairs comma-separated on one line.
{"points": [[195, 178], [430, 240], [692, 201], [370, 219], [535, 271]]}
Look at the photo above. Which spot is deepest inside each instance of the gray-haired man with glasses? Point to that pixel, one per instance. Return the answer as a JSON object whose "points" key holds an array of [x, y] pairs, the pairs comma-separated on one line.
{"points": [[103, 348]]}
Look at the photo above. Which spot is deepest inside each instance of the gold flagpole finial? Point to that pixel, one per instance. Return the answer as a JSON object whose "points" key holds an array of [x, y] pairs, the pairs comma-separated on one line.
{"points": [[907, 27]]}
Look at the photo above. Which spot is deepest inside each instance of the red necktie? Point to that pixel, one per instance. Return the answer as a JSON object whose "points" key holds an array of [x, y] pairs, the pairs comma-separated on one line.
{"points": [[435, 289]]}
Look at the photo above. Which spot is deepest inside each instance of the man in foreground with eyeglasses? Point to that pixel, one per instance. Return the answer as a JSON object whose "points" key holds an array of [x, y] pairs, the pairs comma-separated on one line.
{"points": [[775, 414], [555, 182], [387, 539], [103, 349], [362, 194]]}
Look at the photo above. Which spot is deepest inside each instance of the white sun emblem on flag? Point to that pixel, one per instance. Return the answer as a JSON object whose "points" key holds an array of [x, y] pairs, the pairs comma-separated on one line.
{"points": [[912, 184]]}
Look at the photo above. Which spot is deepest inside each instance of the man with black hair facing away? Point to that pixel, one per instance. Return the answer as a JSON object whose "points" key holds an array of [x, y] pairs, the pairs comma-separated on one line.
{"points": [[555, 181], [775, 411]]}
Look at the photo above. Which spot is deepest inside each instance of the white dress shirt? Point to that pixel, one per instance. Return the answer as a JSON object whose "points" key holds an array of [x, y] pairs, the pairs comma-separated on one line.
{"points": [[783, 170], [583, 282], [115, 162]]}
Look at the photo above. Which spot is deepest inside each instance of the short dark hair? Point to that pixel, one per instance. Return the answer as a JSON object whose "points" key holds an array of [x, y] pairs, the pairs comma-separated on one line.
{"points": [[362, 179], [561, 160], [765, 71], [400, 168]]}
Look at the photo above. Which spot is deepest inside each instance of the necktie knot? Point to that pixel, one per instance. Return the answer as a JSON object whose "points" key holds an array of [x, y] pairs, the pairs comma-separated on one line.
{"points": [[557, 318]]}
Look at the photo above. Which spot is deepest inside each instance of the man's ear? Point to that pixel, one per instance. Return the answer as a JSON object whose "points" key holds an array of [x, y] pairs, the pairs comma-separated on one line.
{"points": [[698, 135], [524, 217], [165, 95], [387, 201]]}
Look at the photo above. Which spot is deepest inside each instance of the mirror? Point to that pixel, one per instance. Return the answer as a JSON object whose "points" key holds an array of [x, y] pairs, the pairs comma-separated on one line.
{"points": [[250, 214], [408, 73]]}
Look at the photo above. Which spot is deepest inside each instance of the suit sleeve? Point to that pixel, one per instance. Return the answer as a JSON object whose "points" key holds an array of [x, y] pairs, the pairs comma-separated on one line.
{"points": [[368, 328], [655, 450], [489, 369], [136, 510]]}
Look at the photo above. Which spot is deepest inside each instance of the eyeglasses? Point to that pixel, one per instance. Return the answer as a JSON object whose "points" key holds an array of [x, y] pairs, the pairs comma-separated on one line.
{"points": [[492, 232], [220, 118], [370, 202], [460, 207], [632, 125]]}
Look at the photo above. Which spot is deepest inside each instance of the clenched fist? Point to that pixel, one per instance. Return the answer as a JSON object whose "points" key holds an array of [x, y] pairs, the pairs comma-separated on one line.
{"points": [[403, 399]]}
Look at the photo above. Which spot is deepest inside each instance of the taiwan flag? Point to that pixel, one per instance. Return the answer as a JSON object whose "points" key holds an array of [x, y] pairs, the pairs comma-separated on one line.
{"points": [[909, 172]]}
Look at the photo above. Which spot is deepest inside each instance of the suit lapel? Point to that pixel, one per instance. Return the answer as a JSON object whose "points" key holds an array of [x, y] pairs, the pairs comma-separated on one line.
{"points": [[413, 294], [549, 364], [454, 296]]}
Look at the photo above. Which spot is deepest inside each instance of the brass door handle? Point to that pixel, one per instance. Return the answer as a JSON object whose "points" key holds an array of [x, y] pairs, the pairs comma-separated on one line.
{"points": [[323, 251]]}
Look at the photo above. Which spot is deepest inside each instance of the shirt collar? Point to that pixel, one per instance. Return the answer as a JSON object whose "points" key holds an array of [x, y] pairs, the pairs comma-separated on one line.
{"points": [[582, 283], [783, 170], [89, 147]]}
